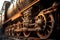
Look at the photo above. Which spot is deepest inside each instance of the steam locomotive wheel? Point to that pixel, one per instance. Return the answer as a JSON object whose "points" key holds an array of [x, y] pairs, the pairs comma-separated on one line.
{"points": [[13, 30], [8, 31], [46, 25], [17, 30]]}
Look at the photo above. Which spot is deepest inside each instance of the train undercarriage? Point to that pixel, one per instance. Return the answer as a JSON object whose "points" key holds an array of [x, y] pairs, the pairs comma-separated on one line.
{"points": [[42, 24]]}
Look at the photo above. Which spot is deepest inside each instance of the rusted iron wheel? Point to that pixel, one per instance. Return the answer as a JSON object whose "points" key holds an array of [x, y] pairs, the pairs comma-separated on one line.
{"points": [[45, 21]]}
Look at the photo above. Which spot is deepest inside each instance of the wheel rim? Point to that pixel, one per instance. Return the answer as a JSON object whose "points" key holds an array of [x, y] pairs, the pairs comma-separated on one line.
{"points": [[48, 26], [7, 30], [17, 30], [13, 28], [26, 33]]}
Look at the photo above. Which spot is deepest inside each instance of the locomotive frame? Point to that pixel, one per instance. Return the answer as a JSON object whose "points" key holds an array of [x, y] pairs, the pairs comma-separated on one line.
{"points": [[42, 24]]}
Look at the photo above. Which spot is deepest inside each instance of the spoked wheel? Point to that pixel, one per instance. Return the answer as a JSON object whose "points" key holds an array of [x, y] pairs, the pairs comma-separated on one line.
{"points": [[26, 33], [45, 23], [17, 30], [9, 30], [13, 30]]}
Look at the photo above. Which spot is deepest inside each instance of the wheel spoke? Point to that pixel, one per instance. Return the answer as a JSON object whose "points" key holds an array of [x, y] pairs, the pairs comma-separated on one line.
{"points": [[46, 25]]}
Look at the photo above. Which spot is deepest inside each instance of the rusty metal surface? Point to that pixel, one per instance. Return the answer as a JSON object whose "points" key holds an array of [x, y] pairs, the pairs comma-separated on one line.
{"points": [[46, 13]]}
